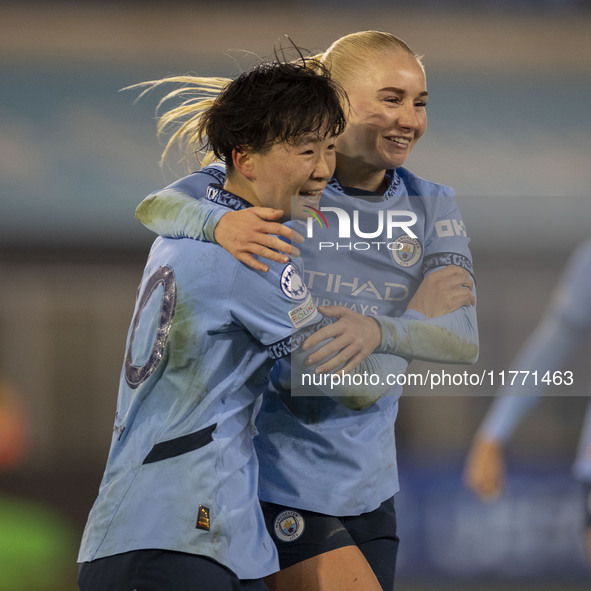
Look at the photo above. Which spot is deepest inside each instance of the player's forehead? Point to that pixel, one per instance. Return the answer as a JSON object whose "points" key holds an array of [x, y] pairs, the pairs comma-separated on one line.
{"points": [[311, 139], [389, 69], [325, 135]]}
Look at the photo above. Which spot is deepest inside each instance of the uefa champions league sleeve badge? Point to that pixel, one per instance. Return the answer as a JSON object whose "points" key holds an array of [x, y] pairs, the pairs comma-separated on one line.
{"points": [[292, 284]]}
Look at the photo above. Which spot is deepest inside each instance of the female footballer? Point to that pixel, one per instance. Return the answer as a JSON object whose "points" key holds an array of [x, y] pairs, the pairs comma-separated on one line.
{"points": [[178, 507], [328, 474]]}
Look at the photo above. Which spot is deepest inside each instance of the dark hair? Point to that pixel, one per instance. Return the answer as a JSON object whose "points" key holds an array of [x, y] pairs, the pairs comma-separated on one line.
{"points": [[273, 102]]}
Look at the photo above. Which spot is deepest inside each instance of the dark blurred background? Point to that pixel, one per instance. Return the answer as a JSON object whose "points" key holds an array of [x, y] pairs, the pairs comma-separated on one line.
{"points": [[509, 129]]}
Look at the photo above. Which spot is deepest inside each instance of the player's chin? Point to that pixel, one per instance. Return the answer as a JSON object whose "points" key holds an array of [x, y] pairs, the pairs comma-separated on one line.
{"points": [[394, 161], [394, 158]]}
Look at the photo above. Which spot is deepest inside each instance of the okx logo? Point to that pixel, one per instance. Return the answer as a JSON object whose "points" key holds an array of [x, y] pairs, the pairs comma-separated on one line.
{"points": [[382, 224]]}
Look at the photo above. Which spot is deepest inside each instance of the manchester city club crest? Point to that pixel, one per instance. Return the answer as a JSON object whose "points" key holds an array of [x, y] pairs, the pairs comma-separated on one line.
{"points": [[288, 526], [409, 251], [292, 283]]}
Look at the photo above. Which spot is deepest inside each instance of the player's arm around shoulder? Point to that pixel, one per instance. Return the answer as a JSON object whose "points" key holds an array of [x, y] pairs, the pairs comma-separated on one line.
{"points": [[181, 211]]}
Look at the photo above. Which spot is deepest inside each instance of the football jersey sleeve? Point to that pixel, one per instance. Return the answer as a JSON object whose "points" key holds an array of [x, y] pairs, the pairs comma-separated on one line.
{"points": [[180, 210], [275, 307], [566, 321], [571, 301], [446, 242], [547, 349], [453, 337]]}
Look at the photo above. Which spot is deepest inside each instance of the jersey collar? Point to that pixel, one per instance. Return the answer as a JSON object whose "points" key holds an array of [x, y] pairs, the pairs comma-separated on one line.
{"points": [[218, 194], [391, 175]]}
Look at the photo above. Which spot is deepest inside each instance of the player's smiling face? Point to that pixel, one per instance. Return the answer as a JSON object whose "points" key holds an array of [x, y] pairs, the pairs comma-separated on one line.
{"points": [[388, 112], [291, 176]]}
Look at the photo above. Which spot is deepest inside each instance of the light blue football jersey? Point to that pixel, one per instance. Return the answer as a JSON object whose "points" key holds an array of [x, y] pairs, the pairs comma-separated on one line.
{"points": [[566, 322], [314, 453], [182, 474]]}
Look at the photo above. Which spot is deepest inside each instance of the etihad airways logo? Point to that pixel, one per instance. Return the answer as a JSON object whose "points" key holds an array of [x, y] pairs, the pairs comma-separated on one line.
{"points": [[385, 223]]}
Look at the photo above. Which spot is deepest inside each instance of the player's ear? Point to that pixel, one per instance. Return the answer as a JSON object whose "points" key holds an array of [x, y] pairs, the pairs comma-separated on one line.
{"points": [[242, 158]]}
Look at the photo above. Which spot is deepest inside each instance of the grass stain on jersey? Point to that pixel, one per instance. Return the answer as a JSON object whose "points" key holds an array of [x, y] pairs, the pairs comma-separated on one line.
{"points": [[163, 207], [433, 343]]}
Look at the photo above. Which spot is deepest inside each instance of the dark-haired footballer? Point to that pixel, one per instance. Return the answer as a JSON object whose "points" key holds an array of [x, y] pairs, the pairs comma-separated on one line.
{"points": [[178, 506]]}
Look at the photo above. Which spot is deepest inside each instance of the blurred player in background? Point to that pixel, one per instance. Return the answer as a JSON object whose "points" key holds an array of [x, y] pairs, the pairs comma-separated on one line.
{"points": [[28, 528], [14, 428], [560, 332], [328, 472]]}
